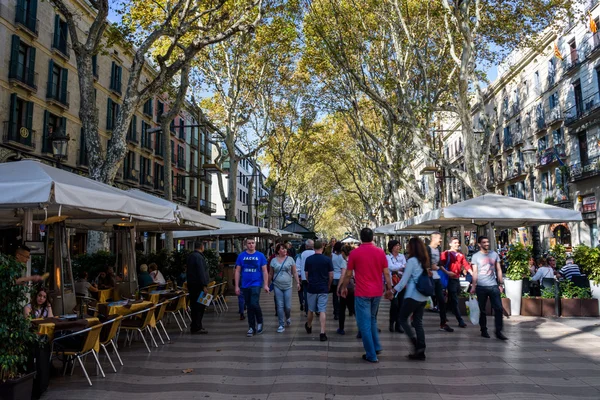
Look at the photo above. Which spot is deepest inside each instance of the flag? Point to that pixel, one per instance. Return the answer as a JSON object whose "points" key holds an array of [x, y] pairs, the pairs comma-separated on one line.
{"points": [[557, 52], [593, 27]]}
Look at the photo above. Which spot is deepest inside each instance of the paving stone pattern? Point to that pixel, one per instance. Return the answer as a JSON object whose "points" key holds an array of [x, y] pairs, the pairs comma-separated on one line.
{"points": [[543, 359]]}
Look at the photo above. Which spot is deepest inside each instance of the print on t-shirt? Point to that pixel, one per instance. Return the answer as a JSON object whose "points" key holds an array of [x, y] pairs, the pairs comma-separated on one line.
{"points": [[251, 268]]}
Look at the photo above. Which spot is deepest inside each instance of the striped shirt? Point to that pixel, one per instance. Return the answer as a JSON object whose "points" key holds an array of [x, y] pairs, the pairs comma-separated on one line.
{"points": [[570, 270]]}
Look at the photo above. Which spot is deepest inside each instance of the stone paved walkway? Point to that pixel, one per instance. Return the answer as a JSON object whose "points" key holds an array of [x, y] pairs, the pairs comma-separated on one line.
{"points": [[543, 359]]}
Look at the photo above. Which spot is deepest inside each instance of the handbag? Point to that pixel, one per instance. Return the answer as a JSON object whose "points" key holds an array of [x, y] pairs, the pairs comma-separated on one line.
{"points": [[272, 285], [444, 276]]}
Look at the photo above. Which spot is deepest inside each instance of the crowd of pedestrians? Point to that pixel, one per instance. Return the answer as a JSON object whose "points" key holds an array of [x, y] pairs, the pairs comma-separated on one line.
{"points": [[359, 278]]}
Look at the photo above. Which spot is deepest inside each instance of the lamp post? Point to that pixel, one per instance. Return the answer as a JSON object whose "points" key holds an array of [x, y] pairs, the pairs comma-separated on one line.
{"points": [[60, 142], [529, 158]]}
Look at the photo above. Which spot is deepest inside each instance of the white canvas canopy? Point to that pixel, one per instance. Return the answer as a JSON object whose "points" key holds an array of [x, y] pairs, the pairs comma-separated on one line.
{"points": [[227, 229], [390, 230], [350, 239], [187, 216], [288, 235], [49, 191], [500, 210]]}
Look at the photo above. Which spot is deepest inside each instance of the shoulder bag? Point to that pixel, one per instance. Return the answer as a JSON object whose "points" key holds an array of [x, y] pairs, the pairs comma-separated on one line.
{"points": [[272, 285]]}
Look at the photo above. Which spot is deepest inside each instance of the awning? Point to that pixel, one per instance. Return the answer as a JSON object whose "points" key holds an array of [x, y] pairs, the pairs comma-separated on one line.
{"points": [[390, 230], [228, 229]]}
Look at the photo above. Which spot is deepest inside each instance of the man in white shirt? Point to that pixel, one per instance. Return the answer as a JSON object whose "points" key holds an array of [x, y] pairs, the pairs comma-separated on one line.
{"points": [[310, 245]]}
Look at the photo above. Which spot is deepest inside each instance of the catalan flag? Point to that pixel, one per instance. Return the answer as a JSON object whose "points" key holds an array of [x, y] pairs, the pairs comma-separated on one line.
{"points": [[557, 52], [593, 27]]}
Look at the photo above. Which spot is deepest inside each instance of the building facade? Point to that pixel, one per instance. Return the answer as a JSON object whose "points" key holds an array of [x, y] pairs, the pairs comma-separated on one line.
{"points": [[39, 96], [549, 99]]}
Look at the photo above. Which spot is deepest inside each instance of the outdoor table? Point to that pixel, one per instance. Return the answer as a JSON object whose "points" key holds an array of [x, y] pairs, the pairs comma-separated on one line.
{"points": [[125, 308], [48, 326], [105, 294]]}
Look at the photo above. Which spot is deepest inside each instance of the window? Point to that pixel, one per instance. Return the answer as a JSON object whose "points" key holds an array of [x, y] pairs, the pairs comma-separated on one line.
{"points": [[148, 108], [573, 50], [132, 131], [95, 65], [536, 81], [180, 157], [553, 100], [172, 152], [129, 166], [58, 80], [597, 34], [59, 41], [542, 144], [507, 136], [116, 72], [158, 144], [160, 109], [26, 14], [558, 137], [82, 159], [181, 129], [551, 71], [20, 121], [52, 124], [159, 177], [145, 171], [583, 149], [578, 97], [112, 111], [546, 185], [22, 63]]}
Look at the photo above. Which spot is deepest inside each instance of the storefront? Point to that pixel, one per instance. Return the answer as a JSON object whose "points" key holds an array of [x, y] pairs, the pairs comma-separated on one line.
{"points": [[588, 213]]}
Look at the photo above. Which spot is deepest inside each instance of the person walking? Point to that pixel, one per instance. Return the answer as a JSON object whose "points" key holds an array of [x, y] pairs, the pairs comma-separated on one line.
{"points": [[414, 301], [396, 265], [301, 291], [488, 282], [348, 301], [251, 268], [309, 251], [452, 262], [318, 270], [368, 262], [434, 258], [197, 281], [282, 276], [338, 265]]}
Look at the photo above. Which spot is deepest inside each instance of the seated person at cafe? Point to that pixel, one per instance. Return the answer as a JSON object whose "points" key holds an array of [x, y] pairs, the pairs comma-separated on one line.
{"points": [[83, 287], [104, 280], [40, 306], [111, 272], [144, 277], [570, 270], [545, 271], [156, 275], [22, 255]]}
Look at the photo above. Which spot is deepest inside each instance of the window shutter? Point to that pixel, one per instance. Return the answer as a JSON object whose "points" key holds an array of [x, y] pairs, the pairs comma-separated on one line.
{"points": [[134, 128], [31, 66], [12, 129], [64, 75], [14, 56], [56, 42], [29, 123], [63, 124], [112, 75], [109, 114], [116, 114], [45, 148], [49, 88], [119, 73], [31, 18]]}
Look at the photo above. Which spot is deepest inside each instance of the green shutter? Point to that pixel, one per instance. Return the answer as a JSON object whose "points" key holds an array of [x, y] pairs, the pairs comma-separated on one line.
{"points": [[12, 118], [49, 88], [112, 75], [31, 67], [14, 56], [134, 128], [45, 148], [63, 124], [64, 75], [119, 72], [29, 123], [56, 42], [109, 115], [21, 16], [32, 17]]}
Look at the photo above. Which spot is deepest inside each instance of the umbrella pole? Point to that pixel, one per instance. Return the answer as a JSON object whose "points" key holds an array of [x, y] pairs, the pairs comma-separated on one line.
{"points": [[463, 245]]}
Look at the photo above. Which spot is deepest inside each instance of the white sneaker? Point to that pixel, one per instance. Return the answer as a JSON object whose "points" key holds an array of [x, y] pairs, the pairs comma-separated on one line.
{"points": [[250, 332], [281, 329], [259, 329], [289, 322]]}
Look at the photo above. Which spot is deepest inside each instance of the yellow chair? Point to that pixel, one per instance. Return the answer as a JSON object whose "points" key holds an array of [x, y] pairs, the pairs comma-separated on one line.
{"points": [[175, 307], [159, 314], [140, 324], [107, 336], [87, 346]]}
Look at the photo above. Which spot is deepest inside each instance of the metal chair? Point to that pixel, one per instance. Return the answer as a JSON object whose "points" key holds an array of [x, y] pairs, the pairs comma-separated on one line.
{"points": [[140, 324], [174, 308], [91, 336], [108, 335], [159, 315]]}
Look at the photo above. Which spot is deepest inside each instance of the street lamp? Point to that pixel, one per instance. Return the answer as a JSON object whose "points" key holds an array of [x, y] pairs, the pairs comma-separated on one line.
{"points": [[529, 158], [226, 205], [60, 143]]}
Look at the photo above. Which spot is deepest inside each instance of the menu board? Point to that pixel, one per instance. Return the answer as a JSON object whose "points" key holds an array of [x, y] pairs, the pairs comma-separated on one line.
{"points": [[589, 204]]}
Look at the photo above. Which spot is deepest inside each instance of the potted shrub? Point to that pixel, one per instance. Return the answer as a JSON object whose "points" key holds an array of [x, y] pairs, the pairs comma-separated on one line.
{"points": [[548, 302], [588, 259], [518, 268], [16, 337], [463, 297], [559, 253], [570, 304], [531, 306]]}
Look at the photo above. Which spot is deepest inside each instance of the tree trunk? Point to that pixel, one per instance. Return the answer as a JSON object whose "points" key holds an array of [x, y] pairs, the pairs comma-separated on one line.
{"points": [[232, 187]]}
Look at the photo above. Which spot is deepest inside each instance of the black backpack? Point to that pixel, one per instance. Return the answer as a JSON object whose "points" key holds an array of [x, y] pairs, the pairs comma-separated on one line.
{"points": [[424, 284]]}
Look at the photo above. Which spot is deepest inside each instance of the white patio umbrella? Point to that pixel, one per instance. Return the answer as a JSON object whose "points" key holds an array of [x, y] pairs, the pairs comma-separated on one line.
{"points": [[390, 230], [349, 239], [227, 229]]}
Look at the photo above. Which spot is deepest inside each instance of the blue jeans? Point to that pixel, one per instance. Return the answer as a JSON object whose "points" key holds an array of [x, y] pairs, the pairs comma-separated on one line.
{"points": [[493, 292], [241, 304], [283, 298], [366, 319], [252, 298]]}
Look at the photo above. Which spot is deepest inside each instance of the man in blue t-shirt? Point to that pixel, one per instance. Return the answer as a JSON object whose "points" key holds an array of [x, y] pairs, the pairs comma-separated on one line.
{"points": [[318, 270], [251, 267]]}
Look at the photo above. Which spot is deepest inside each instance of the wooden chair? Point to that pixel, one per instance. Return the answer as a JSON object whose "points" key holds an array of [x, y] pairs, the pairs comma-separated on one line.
{"points": [[89, 338], [108, 335], [140, 324]]}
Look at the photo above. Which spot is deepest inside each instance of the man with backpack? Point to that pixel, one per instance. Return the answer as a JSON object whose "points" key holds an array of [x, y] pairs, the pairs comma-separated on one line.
{"points": [[440, 279], [452, 263]]}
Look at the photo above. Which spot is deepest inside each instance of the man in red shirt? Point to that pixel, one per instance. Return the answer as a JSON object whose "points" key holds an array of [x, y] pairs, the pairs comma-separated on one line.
{"points": [[368, 263], [453, 262]]}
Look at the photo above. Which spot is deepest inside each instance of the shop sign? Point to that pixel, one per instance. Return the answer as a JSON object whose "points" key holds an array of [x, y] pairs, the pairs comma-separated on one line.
{"points": [[589, 204], [589, 215]]}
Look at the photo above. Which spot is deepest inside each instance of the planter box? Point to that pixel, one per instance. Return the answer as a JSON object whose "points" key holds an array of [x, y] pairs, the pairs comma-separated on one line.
{"points": [[531, 307], [514, 291], [589, 308], [570, 307], [548, 308], [505, 307], [595, 291], [18, 389]]}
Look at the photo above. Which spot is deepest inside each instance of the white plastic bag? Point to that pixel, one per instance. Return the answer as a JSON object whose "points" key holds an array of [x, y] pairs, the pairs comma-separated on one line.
{"points": [[473, 310], [429, 304]]}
